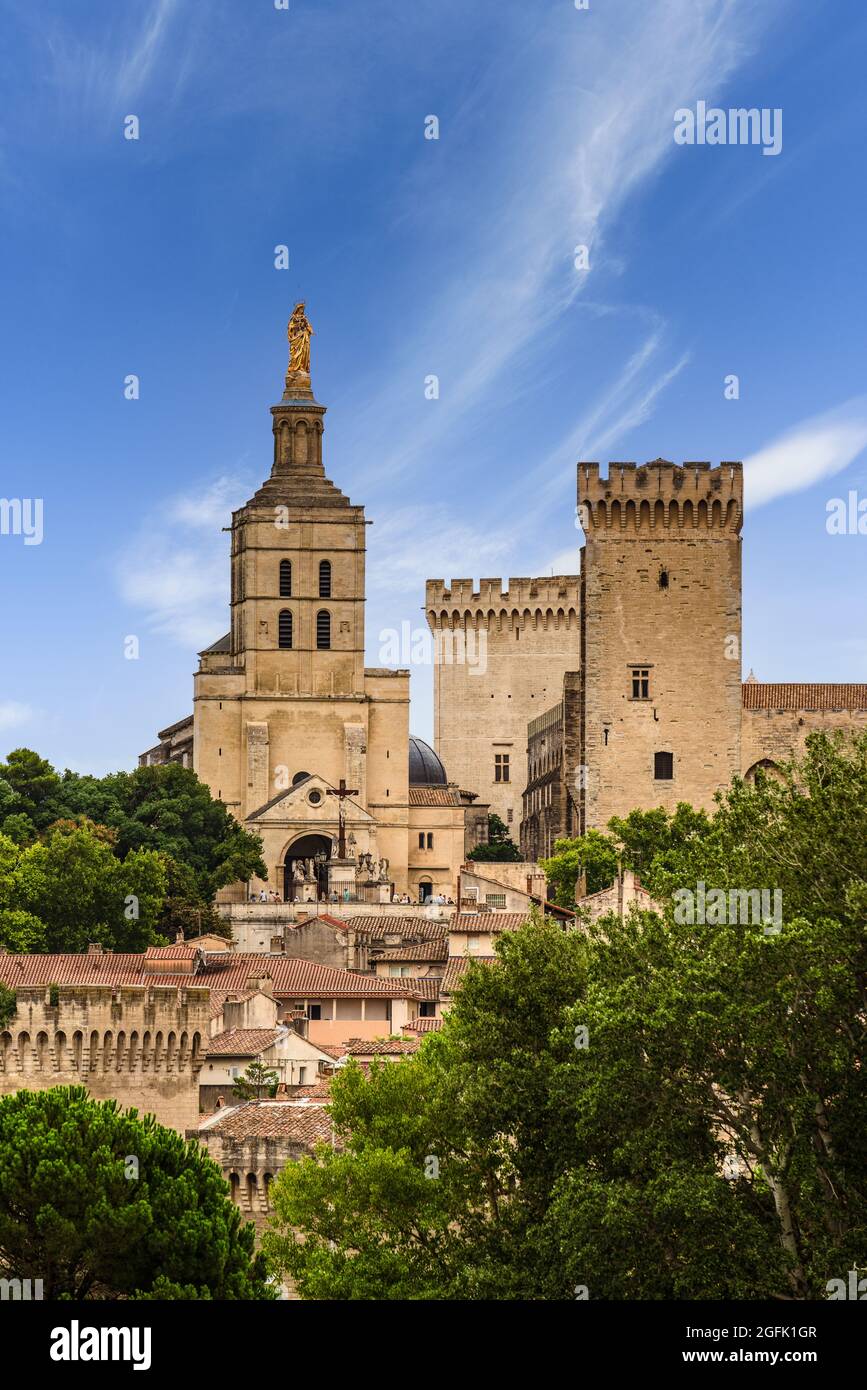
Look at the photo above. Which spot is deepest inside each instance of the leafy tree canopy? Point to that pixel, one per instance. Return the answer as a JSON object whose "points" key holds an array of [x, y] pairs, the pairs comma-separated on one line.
{"points": [[163, 808], [652, 1109], [593, 854], [257, 1081], [99, 1203], [69, 889]]}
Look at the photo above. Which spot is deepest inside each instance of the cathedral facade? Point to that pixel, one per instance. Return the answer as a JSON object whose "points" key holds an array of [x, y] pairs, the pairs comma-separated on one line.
{"points": [[308, 747]]}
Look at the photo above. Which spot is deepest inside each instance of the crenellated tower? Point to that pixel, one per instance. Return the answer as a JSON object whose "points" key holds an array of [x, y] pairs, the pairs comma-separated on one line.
{"points": [[660, 690], [499, 660]]}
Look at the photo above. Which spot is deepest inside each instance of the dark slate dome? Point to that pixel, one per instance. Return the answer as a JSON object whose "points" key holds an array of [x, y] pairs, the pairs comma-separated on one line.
{"points": [[425, 768]]}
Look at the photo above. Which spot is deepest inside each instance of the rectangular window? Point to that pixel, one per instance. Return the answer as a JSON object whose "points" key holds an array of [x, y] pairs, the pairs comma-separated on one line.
{"points": [[501, 767], [430, 841], [495, 899], [421, 840], [509, 815], [302, 1076], [663, 766], [640, 682], [314, 1011], [427, 1009]]}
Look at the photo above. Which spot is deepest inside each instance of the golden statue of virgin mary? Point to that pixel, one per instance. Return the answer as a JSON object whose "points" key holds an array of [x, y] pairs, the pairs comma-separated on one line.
{"points": [[299, 333]]}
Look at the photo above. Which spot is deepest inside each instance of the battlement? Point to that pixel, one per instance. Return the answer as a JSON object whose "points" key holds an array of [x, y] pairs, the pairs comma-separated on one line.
{"points": [[549, 591], [107, 1034], [661, 496]]}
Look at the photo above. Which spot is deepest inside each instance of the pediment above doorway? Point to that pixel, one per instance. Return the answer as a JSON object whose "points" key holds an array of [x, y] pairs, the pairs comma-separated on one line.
{"points": [[309, 802]]}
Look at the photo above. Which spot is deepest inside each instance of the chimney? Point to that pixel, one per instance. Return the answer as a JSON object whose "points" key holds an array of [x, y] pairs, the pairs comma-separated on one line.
{"points": [[179, 936], [263, 984], [94, 948]]}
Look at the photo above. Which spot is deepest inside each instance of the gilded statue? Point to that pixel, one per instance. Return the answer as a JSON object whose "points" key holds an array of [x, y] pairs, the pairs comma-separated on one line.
{"points": [[299, 333]]}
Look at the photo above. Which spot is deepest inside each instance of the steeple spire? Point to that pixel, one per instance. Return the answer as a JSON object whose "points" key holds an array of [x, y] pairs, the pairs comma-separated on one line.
{"points": [[297, 473]]}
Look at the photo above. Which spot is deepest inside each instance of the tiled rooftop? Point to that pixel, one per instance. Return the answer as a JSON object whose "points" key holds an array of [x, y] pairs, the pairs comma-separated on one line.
{"points": [[793, 696]]}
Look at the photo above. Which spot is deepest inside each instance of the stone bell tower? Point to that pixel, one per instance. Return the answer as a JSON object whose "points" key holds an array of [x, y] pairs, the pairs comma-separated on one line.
{"points": [[284, 693]]}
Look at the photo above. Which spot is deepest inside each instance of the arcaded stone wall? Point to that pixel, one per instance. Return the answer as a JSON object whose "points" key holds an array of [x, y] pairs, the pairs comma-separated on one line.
{"points": [[140, 1045]]}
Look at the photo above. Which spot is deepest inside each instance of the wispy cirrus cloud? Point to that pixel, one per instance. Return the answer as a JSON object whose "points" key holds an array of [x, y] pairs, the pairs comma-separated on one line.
{"points": [[175, 571], [817, 448], [554, 172]]}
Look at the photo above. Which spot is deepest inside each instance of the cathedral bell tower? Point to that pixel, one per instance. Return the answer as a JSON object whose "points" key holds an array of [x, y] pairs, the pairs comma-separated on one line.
{"points": [[283, 694], [298, 551]]}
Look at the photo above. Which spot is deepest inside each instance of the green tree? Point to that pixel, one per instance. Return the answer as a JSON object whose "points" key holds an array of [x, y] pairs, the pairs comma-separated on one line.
{"points": [[649, 839], [656, 1108], [70, 890], [593, 854], [34, 786], [258, 1080], [500, 848], [166, 808], [163, 808], [99, 1203], [185, 909]]}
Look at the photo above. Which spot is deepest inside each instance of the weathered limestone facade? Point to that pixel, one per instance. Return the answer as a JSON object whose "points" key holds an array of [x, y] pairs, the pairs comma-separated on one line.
{"points": [[290, 699], [778, 718], [140, 1045], [285, 711], [501, 658], [551, 805], [660, 718]]}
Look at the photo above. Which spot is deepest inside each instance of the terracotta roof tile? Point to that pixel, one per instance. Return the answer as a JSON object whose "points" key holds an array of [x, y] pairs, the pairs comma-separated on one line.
{"points": [[424, 1025], [380, 1047], [421, 950], [291, 978], [489, 921], [275, 1119], [794, 696], [434, 796], [321, 1091], [426, 986], [409, 928], [242, 1042]]}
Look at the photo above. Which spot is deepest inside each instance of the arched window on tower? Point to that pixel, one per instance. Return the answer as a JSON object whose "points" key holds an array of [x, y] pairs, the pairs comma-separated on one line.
{"points": [[325, 579], [284, 629], [323, 629], [285, 578]]}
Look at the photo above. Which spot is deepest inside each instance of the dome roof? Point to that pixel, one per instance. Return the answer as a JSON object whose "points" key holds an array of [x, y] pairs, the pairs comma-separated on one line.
{"points": [[425, 768]]}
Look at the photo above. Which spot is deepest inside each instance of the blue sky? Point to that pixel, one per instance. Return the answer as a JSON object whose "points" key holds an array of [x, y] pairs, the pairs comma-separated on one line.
{"points": [[453, 257]]}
